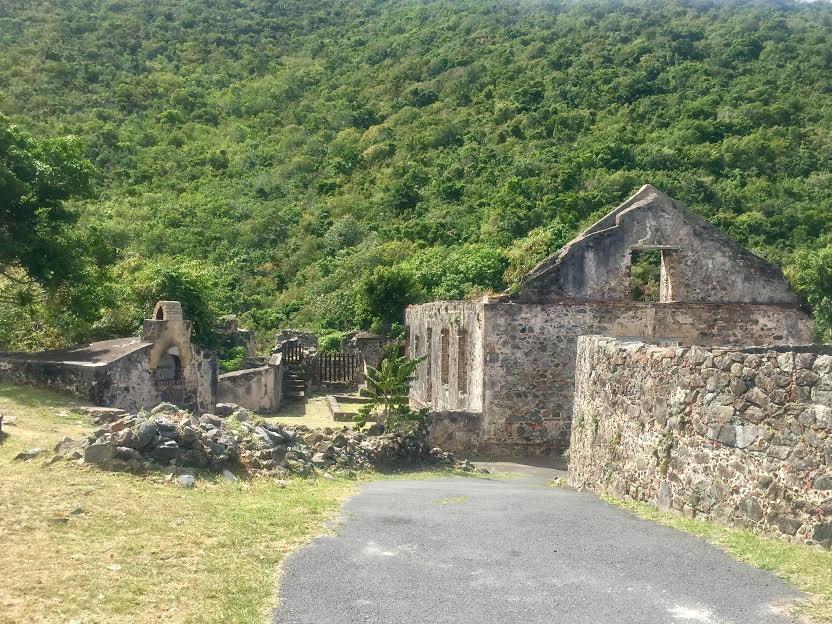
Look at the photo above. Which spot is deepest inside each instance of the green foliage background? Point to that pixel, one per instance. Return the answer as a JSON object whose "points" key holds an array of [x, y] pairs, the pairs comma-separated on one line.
{"points": [[282, 152]]}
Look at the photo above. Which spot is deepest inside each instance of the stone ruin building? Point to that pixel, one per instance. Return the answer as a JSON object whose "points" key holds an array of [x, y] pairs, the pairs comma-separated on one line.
{"points": [[499, 373], [160, 365]]}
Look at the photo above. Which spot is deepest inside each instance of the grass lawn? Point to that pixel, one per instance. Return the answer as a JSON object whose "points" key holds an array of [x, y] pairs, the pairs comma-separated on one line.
{"points": [[82, 545], [312, 413], [805, 567]]}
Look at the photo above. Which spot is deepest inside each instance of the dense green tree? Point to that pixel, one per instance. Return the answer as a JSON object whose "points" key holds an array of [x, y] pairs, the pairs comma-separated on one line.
{"points": [[53, 280], [382, 296], [37, 240], [811, 275], [291, 148], [139, 284]]}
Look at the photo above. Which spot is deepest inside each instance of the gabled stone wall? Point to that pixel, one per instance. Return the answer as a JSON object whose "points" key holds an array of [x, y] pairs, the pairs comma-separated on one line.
{"points": [[699, 262], [742, 436]]}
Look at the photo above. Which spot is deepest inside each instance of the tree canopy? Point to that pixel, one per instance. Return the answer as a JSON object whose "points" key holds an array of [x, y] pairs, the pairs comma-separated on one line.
{"points": [[37, 240], [286, 151]]}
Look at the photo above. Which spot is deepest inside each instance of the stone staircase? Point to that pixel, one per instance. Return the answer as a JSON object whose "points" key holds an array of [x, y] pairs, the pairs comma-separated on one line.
{"points": [[294, 383]]}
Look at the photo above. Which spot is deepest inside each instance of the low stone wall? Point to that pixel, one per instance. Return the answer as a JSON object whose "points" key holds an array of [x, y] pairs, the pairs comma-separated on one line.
{"points": [[739, 436], [126, 383], [258, 389], [80, 380], [457, 432]]}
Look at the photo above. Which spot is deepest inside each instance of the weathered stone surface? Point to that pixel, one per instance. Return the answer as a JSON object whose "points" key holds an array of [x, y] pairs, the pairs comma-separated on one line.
{"points": [[665, 496], [29, 455], [185, 481], [67, 445], [144, 432], [99, 452], [764, 466], [164, 408], [751, 509], [224, 410], [127, 453], [101, 415], [786, 524], [165, 451], [823, 534], [823, 483], [242, 414]]}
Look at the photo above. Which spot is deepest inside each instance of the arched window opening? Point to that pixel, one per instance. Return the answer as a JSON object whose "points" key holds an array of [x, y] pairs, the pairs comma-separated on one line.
{"points": [[169, 368]]}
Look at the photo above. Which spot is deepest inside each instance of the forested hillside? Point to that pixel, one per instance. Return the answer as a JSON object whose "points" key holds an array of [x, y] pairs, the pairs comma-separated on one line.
{"points": [[300, 161]]}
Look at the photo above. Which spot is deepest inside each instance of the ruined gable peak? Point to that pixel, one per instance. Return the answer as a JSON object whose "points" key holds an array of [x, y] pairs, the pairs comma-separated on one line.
{"points": [[699, 263]]}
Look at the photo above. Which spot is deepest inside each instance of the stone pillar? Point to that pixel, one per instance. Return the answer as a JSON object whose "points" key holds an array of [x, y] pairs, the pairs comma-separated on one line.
{"points": [[371, 348]]}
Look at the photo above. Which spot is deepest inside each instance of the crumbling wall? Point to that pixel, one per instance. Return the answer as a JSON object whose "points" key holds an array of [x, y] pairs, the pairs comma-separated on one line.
{"points": [[229, 333], [699, 262], [529, 355], [126, 383], [742, 436], [449, 333], [78, 380], [307, 340], [455, 431], [258, 389]]}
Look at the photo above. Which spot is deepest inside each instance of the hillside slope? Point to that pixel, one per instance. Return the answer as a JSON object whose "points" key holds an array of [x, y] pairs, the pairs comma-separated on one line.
{"points": [[283, 150]]}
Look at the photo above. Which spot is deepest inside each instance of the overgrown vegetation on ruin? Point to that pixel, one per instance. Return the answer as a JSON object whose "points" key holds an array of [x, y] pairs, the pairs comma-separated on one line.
{"points": [[267, 158]]}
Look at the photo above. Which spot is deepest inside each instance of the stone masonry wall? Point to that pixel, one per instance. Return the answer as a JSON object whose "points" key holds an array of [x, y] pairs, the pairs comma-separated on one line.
{"points": [[126, 383], [129, 384], [742, 436], [529, 352], [258, 389], [80, 381], [450, 334]]}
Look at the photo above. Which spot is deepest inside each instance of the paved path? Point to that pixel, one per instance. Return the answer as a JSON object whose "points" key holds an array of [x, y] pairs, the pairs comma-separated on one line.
{"points": [[477, 551]]}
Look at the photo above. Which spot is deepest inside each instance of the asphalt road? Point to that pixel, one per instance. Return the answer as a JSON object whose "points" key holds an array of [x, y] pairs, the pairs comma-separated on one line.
{"points": [[498, 552]]}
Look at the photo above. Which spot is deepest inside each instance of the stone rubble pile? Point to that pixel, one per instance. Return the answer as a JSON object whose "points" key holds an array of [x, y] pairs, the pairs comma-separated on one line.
{"points": [[230, 439]]}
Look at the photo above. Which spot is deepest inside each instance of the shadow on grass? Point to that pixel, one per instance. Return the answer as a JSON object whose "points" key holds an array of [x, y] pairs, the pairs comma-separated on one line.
{"points": [[36, 397]]}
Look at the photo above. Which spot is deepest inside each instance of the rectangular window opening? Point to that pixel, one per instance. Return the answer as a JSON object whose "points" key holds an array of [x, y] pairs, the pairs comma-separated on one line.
{"points": [[445, 356], [648, 276], [429, 365], [461, 362]]}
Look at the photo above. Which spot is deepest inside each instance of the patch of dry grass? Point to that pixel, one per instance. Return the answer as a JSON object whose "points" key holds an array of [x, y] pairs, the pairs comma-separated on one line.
{"points": [[313, 413], [83, 545]]}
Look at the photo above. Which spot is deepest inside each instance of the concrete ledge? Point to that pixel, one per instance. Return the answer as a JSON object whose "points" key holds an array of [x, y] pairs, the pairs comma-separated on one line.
{"points": [[333, 404], [335, 410]]}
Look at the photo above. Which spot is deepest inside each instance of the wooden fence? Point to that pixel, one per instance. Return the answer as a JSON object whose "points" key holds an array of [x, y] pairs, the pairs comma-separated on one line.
{"points": [[339, 367], [292, 352]]}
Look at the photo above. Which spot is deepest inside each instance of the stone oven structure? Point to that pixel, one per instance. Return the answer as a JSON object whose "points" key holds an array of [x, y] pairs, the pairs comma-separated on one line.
{"points": [[160, 365], [499, 373]]}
